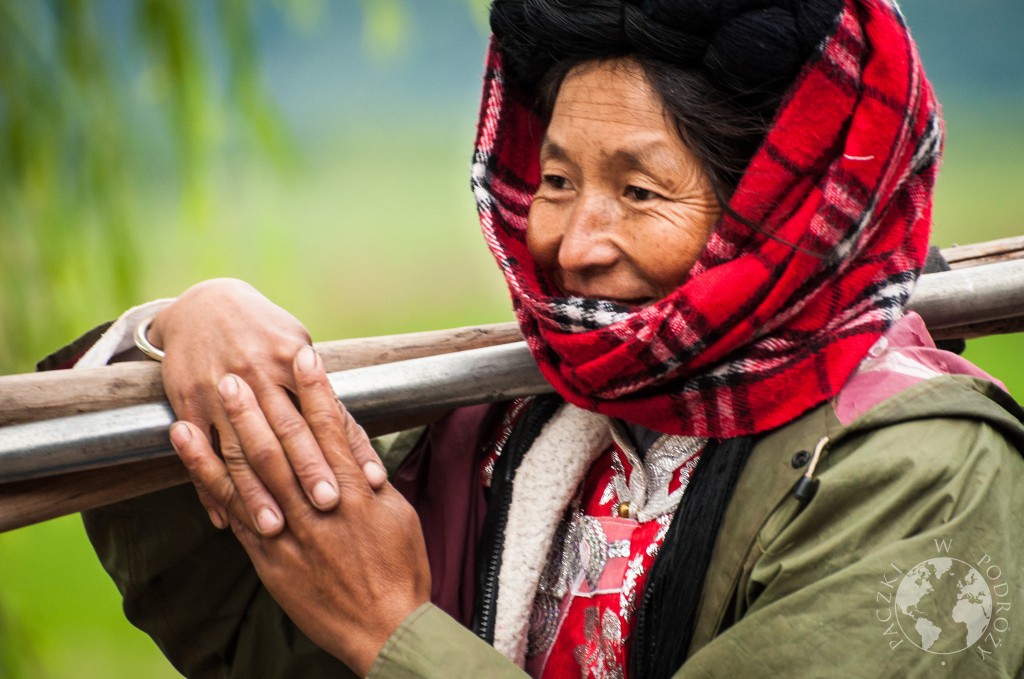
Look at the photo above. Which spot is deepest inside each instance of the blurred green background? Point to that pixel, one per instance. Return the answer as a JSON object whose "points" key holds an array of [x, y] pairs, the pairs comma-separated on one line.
{"points": [[319, 150]]}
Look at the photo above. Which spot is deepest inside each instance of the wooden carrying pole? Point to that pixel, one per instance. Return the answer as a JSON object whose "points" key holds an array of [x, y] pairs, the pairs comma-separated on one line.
{"points": [[37, 396], [57, 460]]}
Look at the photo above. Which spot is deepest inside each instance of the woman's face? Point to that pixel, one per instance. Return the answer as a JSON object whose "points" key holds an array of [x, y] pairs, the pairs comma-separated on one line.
{"points": [[624, 208]]}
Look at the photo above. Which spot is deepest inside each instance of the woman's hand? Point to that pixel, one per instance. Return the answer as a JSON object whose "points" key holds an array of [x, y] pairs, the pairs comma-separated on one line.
{"points": [[225, 326], [346, 577]]}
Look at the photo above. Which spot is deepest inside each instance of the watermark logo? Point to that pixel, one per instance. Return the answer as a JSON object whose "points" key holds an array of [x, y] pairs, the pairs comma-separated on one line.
{"points": [[945, 604]]}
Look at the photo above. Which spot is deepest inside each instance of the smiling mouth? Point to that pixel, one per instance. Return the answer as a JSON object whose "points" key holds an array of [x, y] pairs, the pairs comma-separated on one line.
{"points": [[635, 302]]}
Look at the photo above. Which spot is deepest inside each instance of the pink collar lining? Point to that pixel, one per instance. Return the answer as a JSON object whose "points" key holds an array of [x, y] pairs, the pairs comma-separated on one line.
{"points": [[901, 358]]}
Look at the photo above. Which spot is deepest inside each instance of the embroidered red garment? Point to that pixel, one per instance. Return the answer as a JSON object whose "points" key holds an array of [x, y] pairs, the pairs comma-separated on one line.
{"points": [[770, 322], [584, 612]]}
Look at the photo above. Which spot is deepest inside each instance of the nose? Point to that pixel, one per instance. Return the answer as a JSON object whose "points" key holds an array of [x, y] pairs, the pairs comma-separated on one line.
{"points": [[587, 247]]}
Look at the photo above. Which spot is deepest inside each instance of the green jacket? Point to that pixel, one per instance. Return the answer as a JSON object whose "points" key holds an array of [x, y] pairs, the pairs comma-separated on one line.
{"points": [[916, 498]]}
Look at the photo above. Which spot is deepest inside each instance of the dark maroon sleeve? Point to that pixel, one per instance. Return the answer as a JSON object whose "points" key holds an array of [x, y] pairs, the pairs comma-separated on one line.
{"points": [[441, 478], [66, 357]]}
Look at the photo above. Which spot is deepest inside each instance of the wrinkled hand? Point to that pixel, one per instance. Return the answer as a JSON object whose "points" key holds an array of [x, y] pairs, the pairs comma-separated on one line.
{"points": [[225, 326], [346, 577]]}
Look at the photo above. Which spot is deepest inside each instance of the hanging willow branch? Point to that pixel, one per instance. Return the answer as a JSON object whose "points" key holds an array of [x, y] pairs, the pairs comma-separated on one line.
{"points": [[75, 132], [70, 147]]}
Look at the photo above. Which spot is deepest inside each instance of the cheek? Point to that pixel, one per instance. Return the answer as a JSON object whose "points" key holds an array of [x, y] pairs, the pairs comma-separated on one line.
{"points": [[668, 249]]}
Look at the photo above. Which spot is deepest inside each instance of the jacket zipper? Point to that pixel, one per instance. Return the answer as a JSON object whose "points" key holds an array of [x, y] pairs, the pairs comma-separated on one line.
{"points": [[488, 593], [521, 439]]}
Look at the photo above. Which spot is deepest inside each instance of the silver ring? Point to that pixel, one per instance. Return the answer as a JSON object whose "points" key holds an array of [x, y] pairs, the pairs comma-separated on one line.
{"points": [[143, 343]]}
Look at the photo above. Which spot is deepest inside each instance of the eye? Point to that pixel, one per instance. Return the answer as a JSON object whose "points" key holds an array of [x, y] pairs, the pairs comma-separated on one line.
{"points": [[640, 194], [555, 181]]}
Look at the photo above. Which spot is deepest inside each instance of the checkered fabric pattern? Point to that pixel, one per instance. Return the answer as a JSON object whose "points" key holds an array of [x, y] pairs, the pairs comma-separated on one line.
{"points": [[771, 320]]}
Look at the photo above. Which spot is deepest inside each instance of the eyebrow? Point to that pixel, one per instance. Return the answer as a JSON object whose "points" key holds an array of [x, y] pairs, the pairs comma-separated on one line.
{"points": [[652, 154], [551, 150]]}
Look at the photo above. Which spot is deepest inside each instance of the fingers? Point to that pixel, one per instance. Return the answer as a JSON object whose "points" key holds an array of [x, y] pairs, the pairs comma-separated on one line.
{"points": [[263, 466], [217, 511], [375, 474], [269, 449], [363, 453], [226, 327], [301, 446], [261, 510], [322, 413], [311, 380], [208, 473]]}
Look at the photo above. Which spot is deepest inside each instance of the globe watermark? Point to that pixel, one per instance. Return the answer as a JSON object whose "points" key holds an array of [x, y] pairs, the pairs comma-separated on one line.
{"points": [[945, 605], [920, 604]]}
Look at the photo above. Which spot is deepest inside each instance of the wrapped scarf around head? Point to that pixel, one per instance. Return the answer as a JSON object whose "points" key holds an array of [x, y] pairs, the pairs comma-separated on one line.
{"points": [[771, 321]]}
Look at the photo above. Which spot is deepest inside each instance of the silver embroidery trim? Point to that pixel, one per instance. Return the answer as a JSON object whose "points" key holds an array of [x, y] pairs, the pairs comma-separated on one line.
{"points": [[598, 658], [646, 490], [580, 549], [627, 598], [609, 494], [507, 425]]}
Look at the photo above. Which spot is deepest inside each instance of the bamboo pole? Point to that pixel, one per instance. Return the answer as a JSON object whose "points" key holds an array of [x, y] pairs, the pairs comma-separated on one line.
{"points": [[977, 299], [987, 252]]}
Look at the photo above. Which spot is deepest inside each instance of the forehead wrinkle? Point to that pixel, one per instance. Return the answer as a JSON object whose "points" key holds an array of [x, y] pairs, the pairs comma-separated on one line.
{"points": [[646, 136], [653, 154], [640, 149], [618, 108]]}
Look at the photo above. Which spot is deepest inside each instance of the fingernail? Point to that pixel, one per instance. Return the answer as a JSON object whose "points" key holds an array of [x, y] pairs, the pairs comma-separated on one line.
{"points": [[267, 520], [324, 494], [217, 520], [307, 359], [180, 435], [228, 386]]}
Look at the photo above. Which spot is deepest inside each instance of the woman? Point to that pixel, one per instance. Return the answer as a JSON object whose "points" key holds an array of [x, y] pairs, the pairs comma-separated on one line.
{"points": [[710, 216]]}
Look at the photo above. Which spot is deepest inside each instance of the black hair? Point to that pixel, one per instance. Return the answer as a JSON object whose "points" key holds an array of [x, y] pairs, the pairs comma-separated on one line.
{"points": [[723, 134], [721, 67]]}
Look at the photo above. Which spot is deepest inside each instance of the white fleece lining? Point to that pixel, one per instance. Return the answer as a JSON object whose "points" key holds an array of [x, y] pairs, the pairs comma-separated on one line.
{"points": [[120, 336], [545, 483]]}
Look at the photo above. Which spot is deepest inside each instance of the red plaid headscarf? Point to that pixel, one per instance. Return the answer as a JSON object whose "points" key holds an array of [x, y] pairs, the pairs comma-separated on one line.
{"points": [[760, 331]]}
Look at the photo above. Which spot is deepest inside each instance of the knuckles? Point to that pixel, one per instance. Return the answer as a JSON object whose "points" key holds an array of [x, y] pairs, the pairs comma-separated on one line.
{"points": [[290, 429], [257, 455], [308, 468], [222, 490]]}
